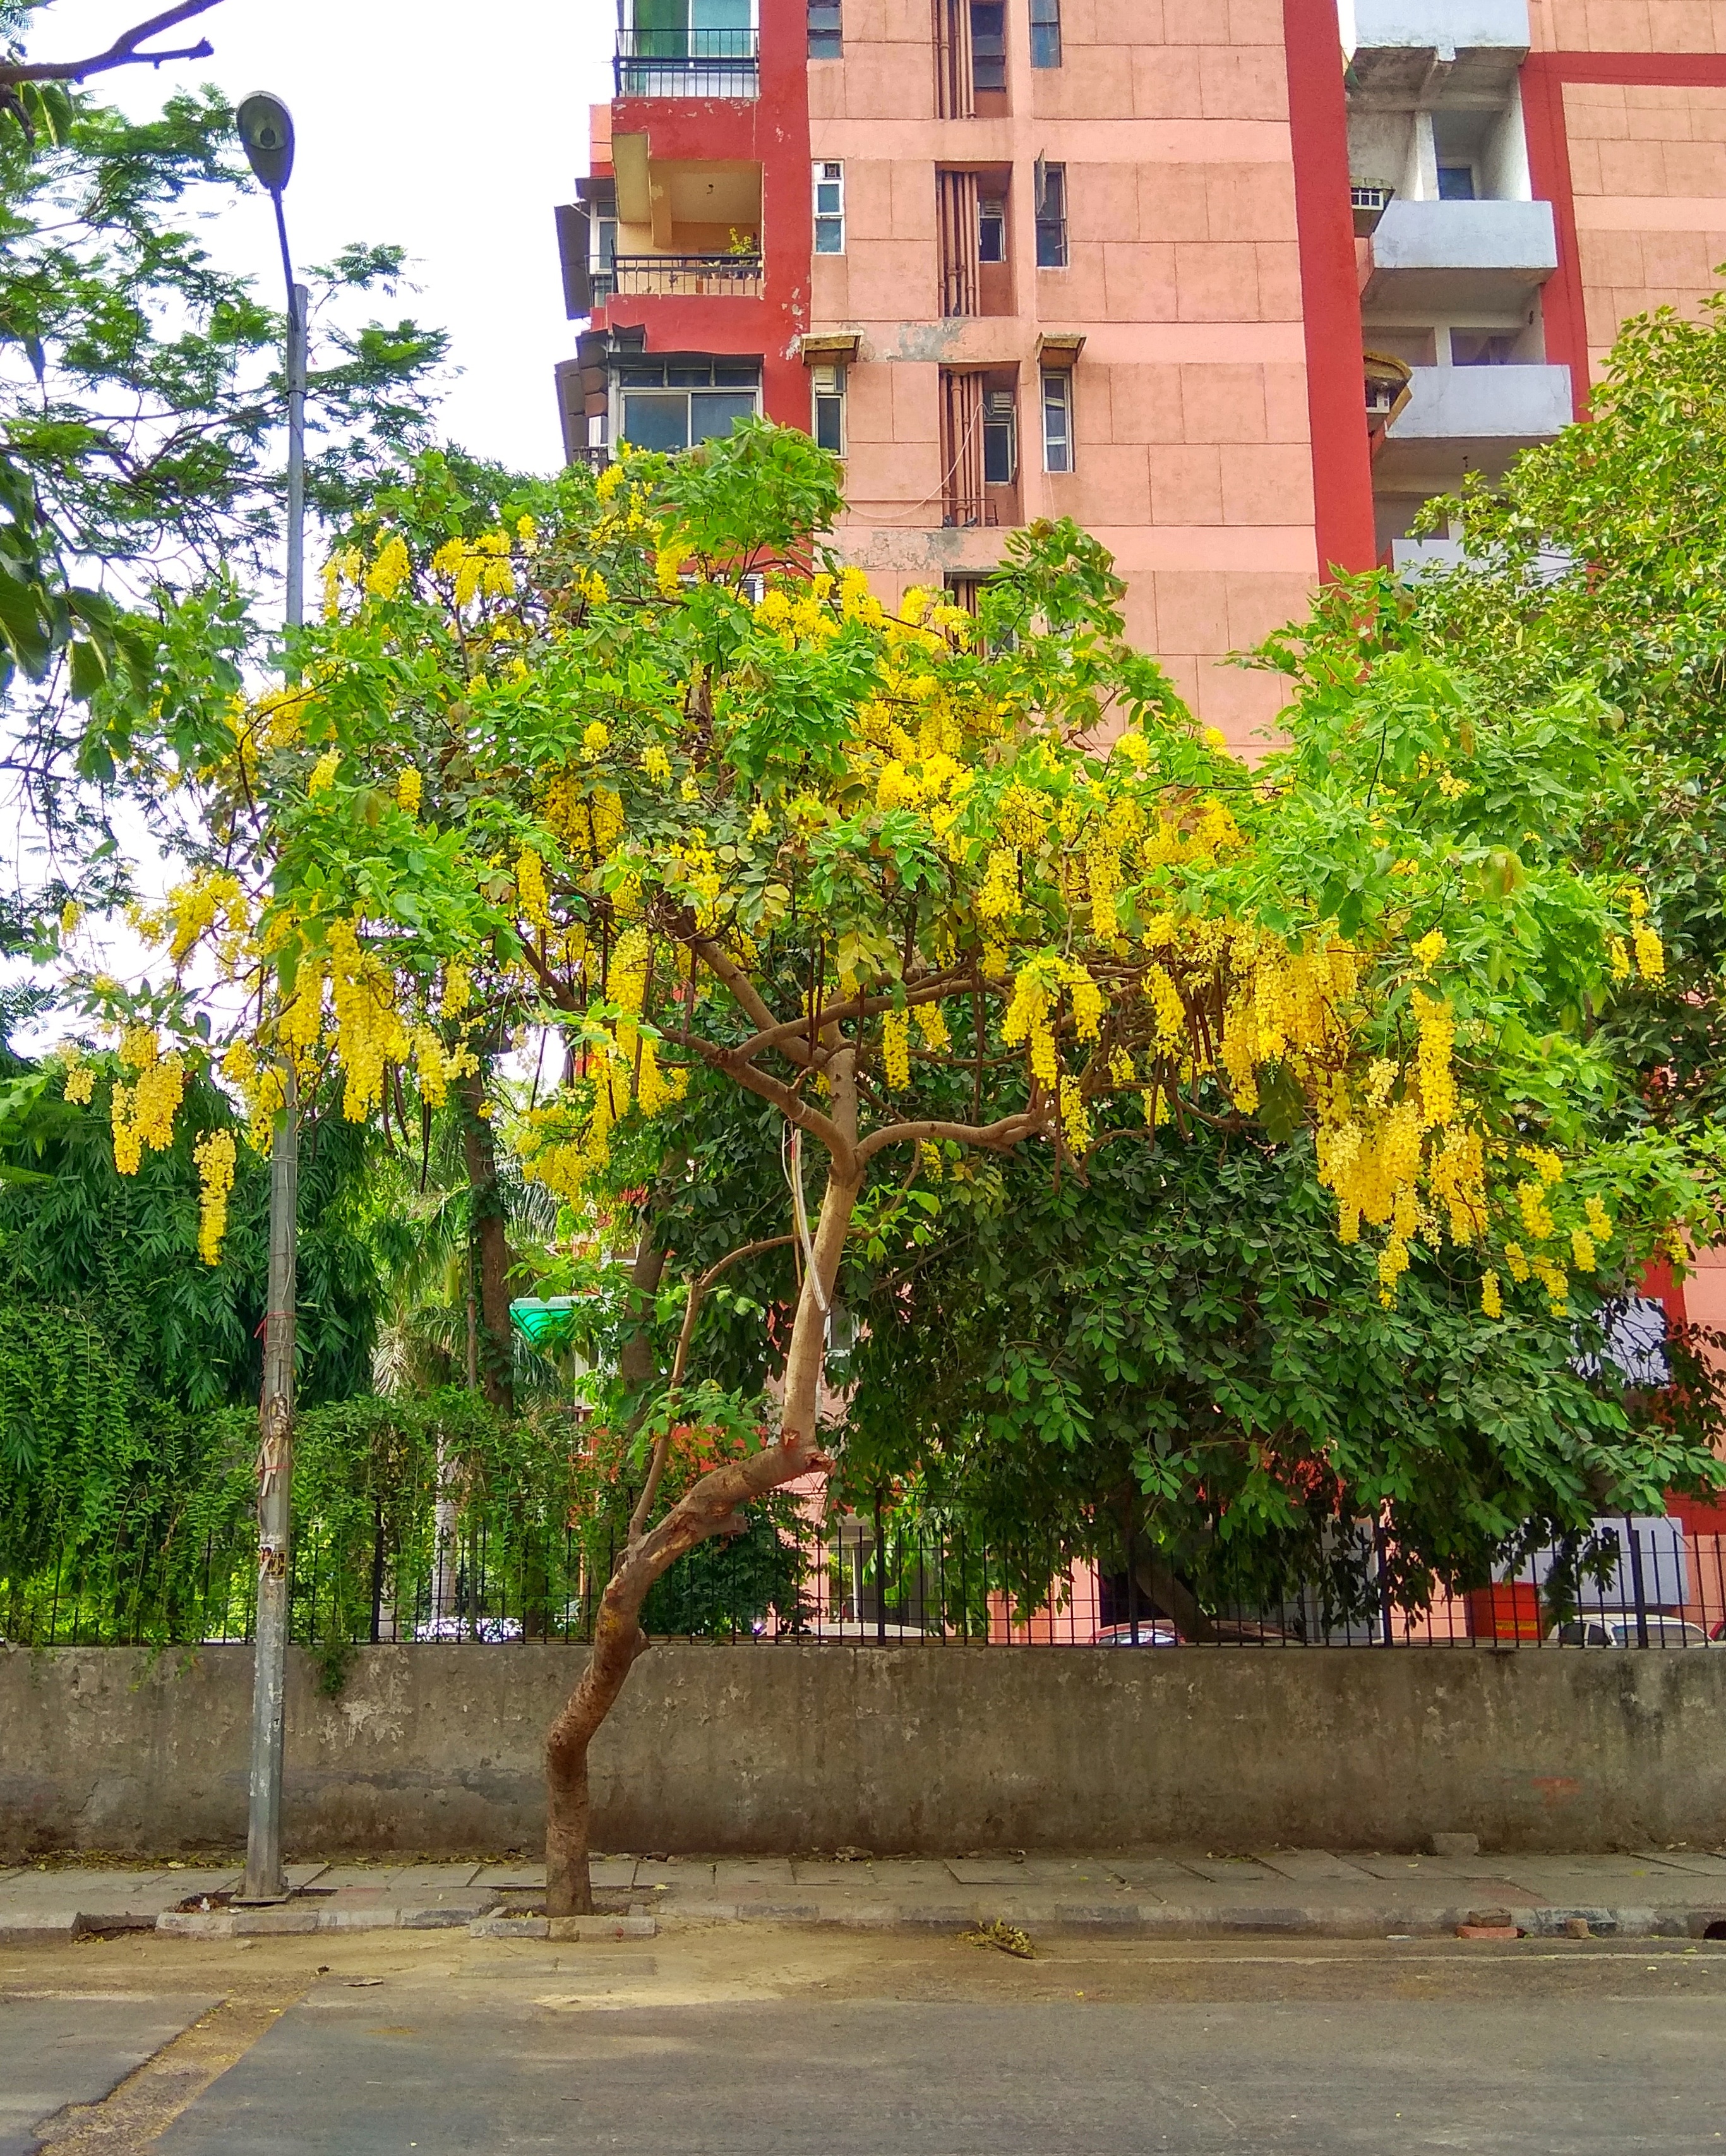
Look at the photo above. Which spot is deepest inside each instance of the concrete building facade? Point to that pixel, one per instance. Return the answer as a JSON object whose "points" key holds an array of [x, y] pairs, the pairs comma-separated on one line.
{"points": [[1236, 286]]}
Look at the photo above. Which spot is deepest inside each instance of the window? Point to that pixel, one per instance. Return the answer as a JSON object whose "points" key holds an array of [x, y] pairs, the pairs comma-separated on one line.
{"points": [[826, 39], [1456, 183], [1058, 423], [1051, 216], [1000, 447], [829, 209], [988, 44], [676, 403], [991, 232], [827, 387], [1045, 33], [1481, 348]]}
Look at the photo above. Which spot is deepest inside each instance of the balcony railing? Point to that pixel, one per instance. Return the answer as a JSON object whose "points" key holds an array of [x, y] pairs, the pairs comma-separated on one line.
{"points": [[687, 64], [680, 276]]}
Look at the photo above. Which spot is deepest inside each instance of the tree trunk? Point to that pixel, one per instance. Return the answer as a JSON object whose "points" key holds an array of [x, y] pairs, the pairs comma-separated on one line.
{"points": [[711, 1507], [1174, 1598], [635, 1365], [491, 1244]]}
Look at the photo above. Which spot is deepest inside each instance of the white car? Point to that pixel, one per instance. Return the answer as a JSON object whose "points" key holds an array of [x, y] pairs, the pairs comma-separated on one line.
{"points": [[1620, 1631]]}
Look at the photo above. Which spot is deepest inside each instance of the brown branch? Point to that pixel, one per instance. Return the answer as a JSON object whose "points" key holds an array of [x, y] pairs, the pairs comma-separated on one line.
{"points": [[744, 992], [838, 1015], [124, 52], [786, 1098], [698, 1296], [996, 1137]]}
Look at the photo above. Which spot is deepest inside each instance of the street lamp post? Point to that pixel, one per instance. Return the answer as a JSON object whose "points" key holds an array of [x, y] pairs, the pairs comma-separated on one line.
{"points": [[267, 132]]}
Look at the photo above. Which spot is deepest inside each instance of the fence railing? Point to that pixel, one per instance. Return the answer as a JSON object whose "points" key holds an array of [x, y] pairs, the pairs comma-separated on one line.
{"points": [[865, 1581], [674, 63], [679, 276]]}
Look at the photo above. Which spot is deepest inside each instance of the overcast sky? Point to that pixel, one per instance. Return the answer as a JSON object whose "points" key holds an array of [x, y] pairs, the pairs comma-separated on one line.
{"points": [[453, 130]]}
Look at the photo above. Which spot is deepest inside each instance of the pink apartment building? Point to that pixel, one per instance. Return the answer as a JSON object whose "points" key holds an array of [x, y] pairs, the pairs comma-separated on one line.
{"points": [[1238, 285]]}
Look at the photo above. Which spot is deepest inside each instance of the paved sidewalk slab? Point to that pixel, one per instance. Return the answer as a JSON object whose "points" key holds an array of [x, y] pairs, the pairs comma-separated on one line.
{"points": [[1352, 1894], [48, 2060]]}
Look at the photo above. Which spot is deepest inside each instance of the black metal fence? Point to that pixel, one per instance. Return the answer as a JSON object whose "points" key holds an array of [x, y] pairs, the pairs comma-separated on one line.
{"points": [[871, 1581]]}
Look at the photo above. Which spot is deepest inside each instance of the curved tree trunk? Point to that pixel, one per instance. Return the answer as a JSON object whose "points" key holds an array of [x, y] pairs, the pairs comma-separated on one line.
{"points": [[712, 1507]]}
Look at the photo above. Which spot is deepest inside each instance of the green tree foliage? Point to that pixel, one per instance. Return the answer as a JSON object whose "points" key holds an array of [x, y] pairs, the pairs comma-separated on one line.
{"points": [[1589, 616], [1180, 1354]]}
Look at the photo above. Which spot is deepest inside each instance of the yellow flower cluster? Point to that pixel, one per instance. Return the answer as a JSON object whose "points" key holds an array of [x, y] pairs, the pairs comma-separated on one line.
{"points": [[896, 1048], [369, 1033], [323, 773], [392, 569], [410, 788], [480, 566], [143, 1113], [1651, 954], [195, 908], [531, 894], [81, 1078], [214, 1154]]}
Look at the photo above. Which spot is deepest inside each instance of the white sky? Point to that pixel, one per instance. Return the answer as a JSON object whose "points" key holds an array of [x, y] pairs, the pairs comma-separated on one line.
{"points": [[453, 130]]}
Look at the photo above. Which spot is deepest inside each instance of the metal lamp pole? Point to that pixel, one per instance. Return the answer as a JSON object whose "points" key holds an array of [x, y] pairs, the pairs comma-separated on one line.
{"points": [[267, 131]]}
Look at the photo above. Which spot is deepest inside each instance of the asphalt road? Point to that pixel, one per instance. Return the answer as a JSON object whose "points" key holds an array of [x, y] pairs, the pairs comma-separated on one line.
{"points": [[727, 2044]]}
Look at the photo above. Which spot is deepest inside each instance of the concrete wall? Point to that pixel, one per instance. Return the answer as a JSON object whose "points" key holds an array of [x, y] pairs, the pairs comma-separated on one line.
{"points": [[784, 1748]]}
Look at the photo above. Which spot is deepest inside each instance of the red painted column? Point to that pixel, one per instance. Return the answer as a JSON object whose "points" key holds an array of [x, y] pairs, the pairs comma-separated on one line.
{"points": [[1330, 303], [1562, 314], [787, 206]]}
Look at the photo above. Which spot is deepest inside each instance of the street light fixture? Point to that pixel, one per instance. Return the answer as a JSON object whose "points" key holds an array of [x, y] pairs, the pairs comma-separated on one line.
{"points": [[266, 129]]}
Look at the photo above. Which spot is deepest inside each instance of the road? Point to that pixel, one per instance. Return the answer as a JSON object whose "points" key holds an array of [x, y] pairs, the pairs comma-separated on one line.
{"points": [[737, 2041]]}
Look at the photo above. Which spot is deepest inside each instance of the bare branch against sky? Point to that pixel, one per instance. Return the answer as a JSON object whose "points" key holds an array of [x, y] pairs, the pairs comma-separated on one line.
{"points": [[131, 48]]}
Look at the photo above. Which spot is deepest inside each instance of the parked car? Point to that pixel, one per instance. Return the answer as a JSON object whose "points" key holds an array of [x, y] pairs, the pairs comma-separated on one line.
{"points": [[1619, 1631], [1153, 1632]]}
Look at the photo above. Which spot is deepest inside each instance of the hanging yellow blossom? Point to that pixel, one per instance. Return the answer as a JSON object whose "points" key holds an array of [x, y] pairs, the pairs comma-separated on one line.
{"points": [[896, 1048], [324, 771], [534, 899], [214, 1154], [409, 788], [1492, 1302], [391, 570]]}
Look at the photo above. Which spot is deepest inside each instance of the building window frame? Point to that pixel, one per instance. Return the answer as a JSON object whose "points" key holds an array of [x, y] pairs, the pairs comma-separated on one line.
{"points": [[826, 407], [713, 377], [991, 231], [826, 30], [988, 46], [1045, 34], [1051, 188], [828, 198], [1001, 436], [1057, 420]]}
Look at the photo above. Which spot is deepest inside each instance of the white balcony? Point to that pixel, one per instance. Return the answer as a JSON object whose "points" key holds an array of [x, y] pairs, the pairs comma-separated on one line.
{"points": [[1447, 257], [1471, 418], [1400, 50]]}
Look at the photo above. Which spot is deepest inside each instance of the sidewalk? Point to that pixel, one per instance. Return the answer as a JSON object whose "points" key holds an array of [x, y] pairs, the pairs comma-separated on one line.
{"points": [[1667, 1893]]}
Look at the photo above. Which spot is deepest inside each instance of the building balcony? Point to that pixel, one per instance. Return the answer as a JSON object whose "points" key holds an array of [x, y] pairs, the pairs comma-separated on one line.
{"points": [[1471, 418], [1448, 257], [679, 277], [1400, 51], [687, 63]]}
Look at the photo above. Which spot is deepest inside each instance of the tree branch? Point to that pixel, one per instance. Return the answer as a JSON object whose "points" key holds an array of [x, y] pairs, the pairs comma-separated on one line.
{"points": [[124, 52], [698, 1296], [997, 1137]]}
